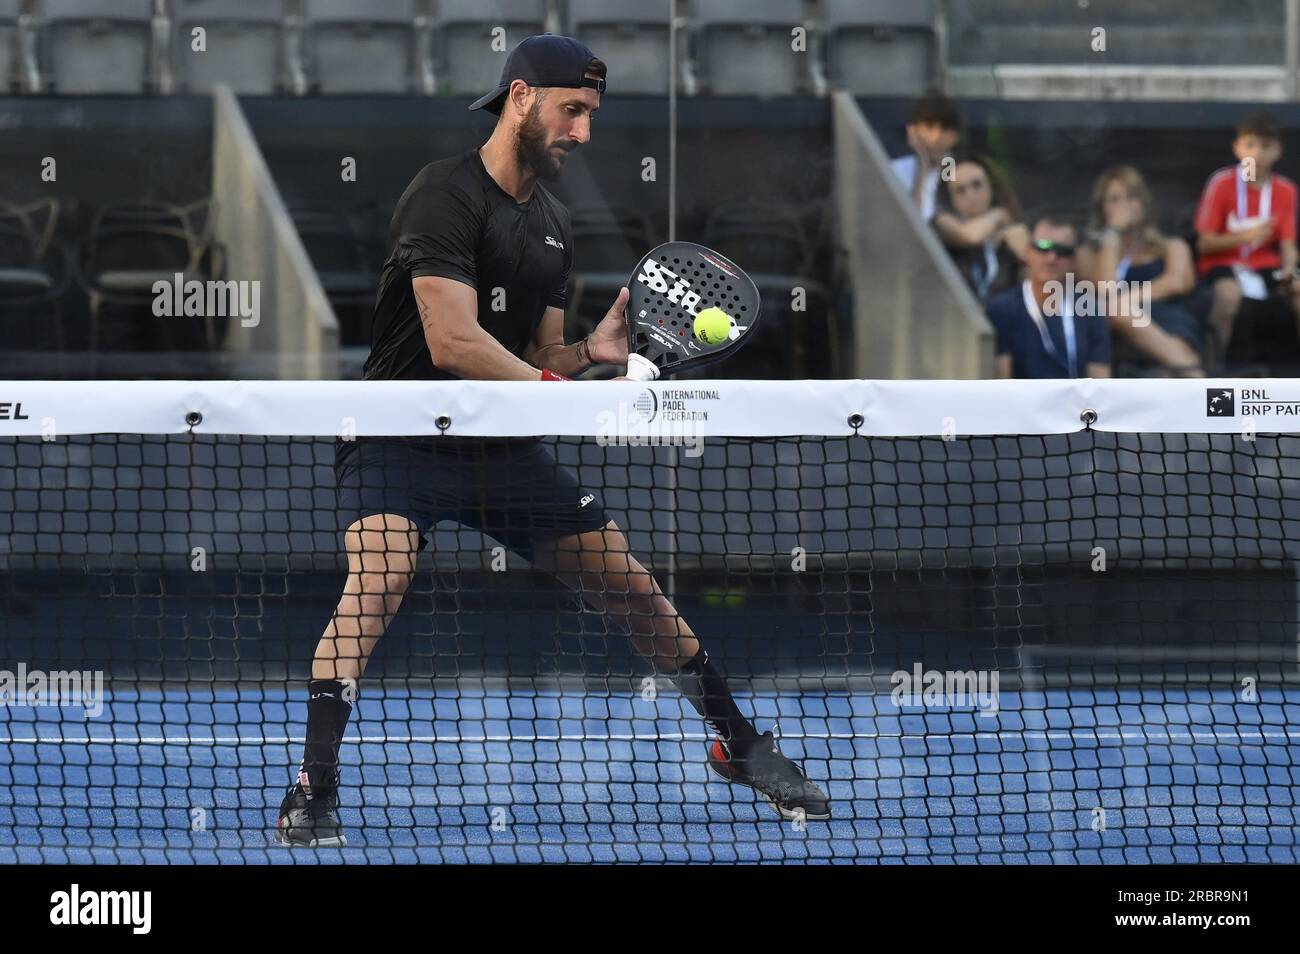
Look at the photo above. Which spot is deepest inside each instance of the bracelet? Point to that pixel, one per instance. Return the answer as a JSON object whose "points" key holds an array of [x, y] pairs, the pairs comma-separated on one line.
{"points": [[549, 375], [584, 351]]}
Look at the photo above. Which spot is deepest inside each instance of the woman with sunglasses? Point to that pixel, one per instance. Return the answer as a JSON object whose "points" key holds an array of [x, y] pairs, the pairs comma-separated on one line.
{"points": [[979, 222], [1152, 271]]}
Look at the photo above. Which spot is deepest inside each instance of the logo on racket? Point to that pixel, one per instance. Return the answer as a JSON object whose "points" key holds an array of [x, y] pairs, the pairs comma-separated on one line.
{"points": [[718, 265], [662, 279]]}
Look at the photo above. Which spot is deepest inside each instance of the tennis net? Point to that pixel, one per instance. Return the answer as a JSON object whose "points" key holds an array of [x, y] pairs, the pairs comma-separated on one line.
{"points": [[1025, 622]]}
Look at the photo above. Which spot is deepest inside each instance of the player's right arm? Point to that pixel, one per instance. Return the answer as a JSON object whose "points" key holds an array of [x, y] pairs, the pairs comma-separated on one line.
{"points": [[456, 341], [439, 227]]}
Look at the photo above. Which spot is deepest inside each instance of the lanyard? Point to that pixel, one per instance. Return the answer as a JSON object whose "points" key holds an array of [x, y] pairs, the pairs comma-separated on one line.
{"points": [[1265, 206], [1125, 263], [1067, 325], [928, 193], [985, 280]]}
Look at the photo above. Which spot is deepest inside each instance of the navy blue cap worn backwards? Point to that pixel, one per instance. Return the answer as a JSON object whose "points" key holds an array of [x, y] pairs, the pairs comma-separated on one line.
{"points": [[543, 60]]}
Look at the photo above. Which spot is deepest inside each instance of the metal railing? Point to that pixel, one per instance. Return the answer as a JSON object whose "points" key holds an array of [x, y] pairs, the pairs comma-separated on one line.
{"points": [[972, 70]]}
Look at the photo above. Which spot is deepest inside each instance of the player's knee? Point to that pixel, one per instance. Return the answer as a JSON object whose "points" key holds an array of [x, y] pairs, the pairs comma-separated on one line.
{"points": [[373, 611], [379, 591], [392, 580]]}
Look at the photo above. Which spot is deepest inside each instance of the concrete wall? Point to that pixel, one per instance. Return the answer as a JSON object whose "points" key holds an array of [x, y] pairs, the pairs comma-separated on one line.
{"points": [[297, 334], [913, 316]]}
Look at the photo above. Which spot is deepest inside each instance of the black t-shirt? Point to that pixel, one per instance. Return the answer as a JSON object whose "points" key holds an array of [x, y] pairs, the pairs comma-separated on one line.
{"points": [[454, 221]]}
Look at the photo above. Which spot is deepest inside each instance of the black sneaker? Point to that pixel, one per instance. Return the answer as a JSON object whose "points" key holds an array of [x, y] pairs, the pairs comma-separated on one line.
{"points": [[763, 768], [310, 822]]}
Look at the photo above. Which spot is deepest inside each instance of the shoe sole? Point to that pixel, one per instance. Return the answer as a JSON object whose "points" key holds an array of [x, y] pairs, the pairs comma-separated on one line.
{"points": [[788, 814], [339, 841]]}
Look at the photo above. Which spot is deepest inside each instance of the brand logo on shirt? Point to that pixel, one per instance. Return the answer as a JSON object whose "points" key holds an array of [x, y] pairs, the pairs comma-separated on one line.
{"points": [[551, 241], [587, 498]]}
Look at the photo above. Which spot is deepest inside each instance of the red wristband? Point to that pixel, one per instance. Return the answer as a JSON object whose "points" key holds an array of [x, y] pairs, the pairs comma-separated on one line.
{"points": [[549, 375]]}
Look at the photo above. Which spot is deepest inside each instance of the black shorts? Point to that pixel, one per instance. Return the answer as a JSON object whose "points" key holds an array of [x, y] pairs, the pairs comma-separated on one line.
{"points": [[512, 490], [1225, 271]]}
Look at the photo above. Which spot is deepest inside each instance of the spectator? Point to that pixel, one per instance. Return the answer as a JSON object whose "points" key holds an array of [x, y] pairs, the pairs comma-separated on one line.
{"points": [[933, 128], [1038, 334], [1125, 247], [979, 222], [1246, 229]]}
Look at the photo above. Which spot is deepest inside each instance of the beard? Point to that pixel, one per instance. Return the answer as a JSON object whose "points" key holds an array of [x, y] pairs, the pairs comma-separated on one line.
{"points": [[533, 151]]}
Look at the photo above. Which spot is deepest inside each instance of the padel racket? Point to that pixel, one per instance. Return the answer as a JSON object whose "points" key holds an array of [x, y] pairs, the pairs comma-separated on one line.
{"points": [[669, 287]]}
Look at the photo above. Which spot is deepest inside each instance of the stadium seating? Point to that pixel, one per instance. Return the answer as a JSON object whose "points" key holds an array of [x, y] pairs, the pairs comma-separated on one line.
{"points": [[130, 245], [874, 47], [345, 251], [97, 46], [605, 240], [245, 44], [631, 36], [357, 46], [33, 276], [778, 254], [1205, 32], [745, 49], [880, 47], [470, 54]]}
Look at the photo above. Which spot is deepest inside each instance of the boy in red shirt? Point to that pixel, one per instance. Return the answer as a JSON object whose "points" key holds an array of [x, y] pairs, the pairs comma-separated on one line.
{"points": [[1246, 228]]}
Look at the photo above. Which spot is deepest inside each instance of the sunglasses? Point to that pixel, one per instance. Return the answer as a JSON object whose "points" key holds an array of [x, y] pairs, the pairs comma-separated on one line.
{"points": [[1055, 248]]}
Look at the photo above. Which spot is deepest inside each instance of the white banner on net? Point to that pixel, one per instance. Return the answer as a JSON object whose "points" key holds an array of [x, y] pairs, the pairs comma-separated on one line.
{"points": [[662, 411], [1206, 406]]}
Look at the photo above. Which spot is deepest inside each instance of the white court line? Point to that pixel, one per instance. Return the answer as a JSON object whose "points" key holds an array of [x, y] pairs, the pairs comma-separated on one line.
{"points": [[1229, 734]]}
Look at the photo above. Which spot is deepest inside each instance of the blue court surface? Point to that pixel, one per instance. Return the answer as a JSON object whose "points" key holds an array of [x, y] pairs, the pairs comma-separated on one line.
{"points": [[1085, 776]]}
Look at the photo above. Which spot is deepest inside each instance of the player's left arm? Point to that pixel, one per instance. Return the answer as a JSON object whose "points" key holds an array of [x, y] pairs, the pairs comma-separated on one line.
{"points": [[607, 344]]}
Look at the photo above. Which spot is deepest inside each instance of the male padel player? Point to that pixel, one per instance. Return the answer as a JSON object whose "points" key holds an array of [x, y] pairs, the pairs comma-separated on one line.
{"points": [[465, 226]]}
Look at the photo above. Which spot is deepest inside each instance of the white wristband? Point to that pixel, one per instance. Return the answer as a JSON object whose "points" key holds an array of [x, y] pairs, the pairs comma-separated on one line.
{"points": [[641, 369]]}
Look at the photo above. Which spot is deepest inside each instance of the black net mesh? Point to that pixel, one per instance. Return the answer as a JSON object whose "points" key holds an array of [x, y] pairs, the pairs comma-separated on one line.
{"points": [[1076, 648]]}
